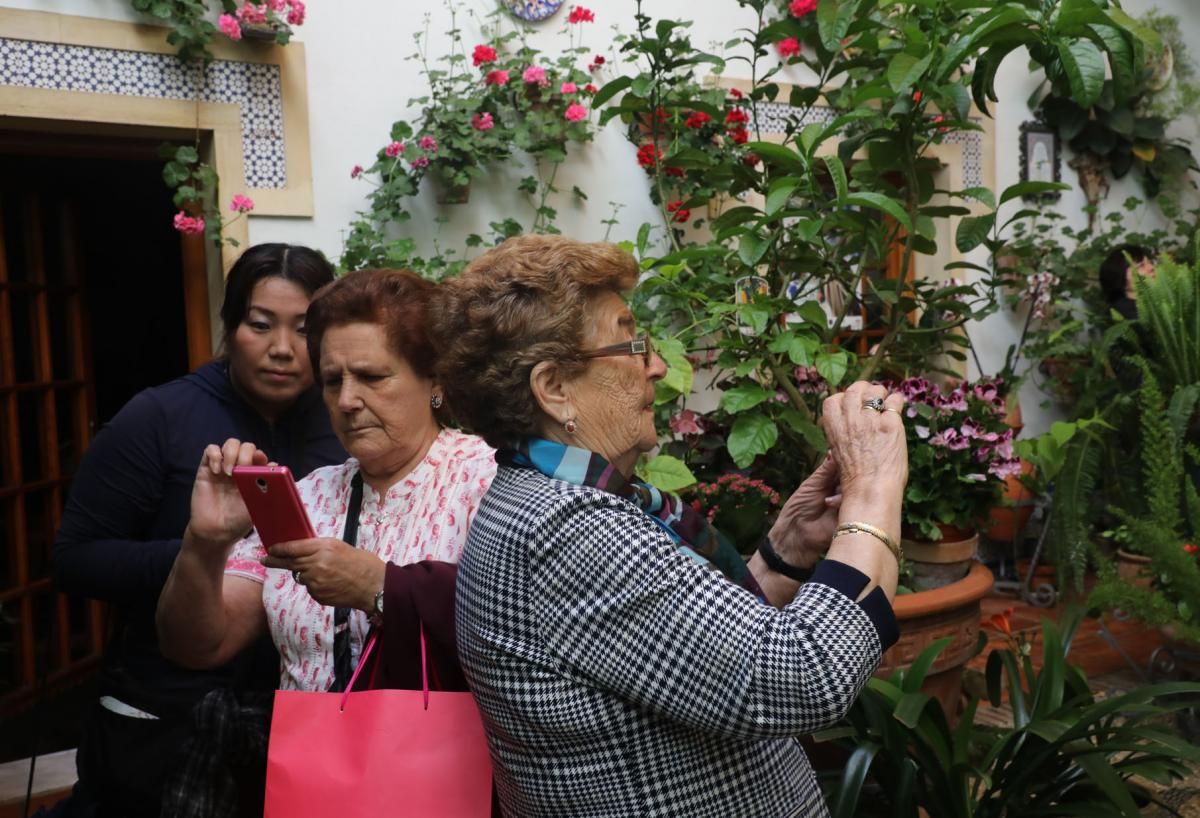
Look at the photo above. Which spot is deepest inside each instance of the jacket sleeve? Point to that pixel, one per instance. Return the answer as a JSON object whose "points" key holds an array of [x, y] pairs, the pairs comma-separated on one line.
{"points": [[619, 606], [99, 551]]}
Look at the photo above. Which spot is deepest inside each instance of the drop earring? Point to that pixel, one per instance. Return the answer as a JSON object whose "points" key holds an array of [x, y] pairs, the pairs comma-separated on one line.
{"points": [[570, 426]]}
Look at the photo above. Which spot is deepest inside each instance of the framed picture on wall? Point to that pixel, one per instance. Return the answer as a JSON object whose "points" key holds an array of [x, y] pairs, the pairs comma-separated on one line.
{"points": [[1040, 157]]}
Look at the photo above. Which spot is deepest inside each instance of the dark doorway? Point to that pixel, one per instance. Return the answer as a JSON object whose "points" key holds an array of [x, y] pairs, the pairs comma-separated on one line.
{"points": [[92, 310]]}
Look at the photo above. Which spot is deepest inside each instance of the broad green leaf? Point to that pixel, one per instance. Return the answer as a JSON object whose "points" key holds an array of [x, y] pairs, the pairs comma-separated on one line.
{"points": [[905, 69], [780, 155], [837, 172], [751, 436], [667, 473], [778, 198], [972, 230], [756, 316], [679, 368], [751, 248], [187, 155], [747, 396], [979, 194], [1121, 60], [1031, 189], [1083, 63], [908, 710], [833, 21], [806, 428], [878, 201], [832, 366], [854, 774]]}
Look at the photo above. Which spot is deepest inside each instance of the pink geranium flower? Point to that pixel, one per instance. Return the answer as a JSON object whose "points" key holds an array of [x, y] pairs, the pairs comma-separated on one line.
{"points": [[241, 204], [188, 225], [252, 15], [801, 8], [421, 162], [568, 88], [428, 143], [685, 423], [356, 171], [482, 122], [497, 77], [787, 48], [296, 14], [535, 75], [229, 26], [575, 112], [394, 149], [276, 5]]}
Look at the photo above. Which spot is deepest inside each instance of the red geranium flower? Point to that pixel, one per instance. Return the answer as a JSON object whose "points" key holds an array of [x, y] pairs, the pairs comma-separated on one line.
{"points": [[737, 117], [735, 93], [682, 214], [739, 136], [697, 119], [590, 89], [788, 48], [800, 8], [1190, 548], [483, 54], [581, 15], [751, 160], [648, 156]]}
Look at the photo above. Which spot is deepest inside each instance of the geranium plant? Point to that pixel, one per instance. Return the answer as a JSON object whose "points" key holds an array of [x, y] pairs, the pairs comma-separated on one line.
{"points": [[960, 451], [192, 30], [740, 507]]}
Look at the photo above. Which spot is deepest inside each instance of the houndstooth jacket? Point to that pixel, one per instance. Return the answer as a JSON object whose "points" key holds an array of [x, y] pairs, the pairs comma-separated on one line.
{"points": [[617, 677]]}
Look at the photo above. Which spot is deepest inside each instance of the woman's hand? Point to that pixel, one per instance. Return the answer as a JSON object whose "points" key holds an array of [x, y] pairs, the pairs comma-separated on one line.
{"points": [[219, 516], [805, 525], [335, 574], [868, 445]]}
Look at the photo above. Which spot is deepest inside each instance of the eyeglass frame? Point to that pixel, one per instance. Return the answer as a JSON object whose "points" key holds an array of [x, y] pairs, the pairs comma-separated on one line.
{"points": [[630, 347]]}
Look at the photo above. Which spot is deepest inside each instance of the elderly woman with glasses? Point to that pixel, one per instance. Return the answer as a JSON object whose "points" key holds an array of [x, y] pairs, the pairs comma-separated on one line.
{"points": [[617, 672]]}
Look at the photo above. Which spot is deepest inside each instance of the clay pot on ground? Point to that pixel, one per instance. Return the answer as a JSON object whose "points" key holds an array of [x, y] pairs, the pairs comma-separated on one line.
{"points": [[937, 564], [1133, 568], [952, 610]]}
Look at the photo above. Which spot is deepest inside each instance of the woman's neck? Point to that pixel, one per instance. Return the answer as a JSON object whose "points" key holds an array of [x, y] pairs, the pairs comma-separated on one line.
{"points": [[383, 474], [625, 463]]}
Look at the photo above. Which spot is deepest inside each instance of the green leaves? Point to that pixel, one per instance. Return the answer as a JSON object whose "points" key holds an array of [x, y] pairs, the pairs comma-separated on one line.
{"points": [[833, 21], [878, 201], [905, 69], [1084, 66], [741, 398], [972, 231], [667, 473], [751, 436]]}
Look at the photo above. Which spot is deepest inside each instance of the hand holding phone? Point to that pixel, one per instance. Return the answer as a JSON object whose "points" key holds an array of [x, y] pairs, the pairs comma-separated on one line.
{"points": [[274, 503]]}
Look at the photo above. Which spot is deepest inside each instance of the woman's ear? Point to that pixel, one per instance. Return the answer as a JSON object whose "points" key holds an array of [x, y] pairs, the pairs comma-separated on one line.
{"points": [[552, 392]]}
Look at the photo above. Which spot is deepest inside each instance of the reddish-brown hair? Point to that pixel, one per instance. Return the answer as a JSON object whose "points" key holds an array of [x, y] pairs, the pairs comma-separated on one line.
{"points": [[396, 299], [519, 304]]}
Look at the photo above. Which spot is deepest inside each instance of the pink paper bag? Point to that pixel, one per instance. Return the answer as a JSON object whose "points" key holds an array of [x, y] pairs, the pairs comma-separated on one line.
{"points": [[396, 753]]}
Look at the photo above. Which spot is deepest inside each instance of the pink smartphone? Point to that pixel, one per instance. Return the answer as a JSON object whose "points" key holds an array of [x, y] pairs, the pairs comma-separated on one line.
{"points": [[274, 503]]}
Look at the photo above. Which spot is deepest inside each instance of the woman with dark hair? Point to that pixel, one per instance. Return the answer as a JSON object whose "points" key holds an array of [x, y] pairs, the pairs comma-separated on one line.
{"points": [[129, 505], [1117, 277], [390, 521]]}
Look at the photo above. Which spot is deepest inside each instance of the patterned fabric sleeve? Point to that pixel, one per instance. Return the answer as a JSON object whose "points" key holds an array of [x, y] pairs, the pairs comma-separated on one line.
{"points": [[246, 559], [620, 607]]}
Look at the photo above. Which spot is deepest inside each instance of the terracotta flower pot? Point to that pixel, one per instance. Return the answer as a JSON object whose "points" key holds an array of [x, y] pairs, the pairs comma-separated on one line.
{"points": [[936, 564], [1134, 568], [1006, 522], [952, 610]]}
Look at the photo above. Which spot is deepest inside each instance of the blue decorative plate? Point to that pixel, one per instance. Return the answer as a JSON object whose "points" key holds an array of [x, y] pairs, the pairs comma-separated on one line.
{"points": [[532, 10]]}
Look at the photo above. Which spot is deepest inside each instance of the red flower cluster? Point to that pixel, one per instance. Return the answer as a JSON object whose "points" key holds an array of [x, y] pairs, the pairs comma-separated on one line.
{"points": [[596, 62], [581, 15], [483, 54], [697, 119], [1190, 548], [682, 214], [735, 93], [672, 171], [800, 8], [737, 117], [497, 77], [739, 136], [751, 160], [737, 120], [648, 155], [788, 48], [590, 89]]}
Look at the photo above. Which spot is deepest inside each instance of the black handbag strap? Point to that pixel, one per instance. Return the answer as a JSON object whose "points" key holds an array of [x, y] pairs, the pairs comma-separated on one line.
{"points": [[343, 669]]}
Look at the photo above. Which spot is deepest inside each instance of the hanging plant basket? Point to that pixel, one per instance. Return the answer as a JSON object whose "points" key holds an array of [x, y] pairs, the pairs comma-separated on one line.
{"points": [[262, 32], [450, 194]]}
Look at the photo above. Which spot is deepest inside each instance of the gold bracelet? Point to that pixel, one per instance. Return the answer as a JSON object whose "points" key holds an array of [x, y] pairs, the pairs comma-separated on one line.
{"points": [[877, 533]]}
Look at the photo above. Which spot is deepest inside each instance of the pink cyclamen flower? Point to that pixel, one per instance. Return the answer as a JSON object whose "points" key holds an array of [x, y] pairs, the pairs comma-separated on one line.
{"points": [[421, 162], [229, 26], [394, 149], [482, 55], [356, 171], [296, 14], [241, 204], [482, 122], [575, 112], [535, 74], [497, 77], [788, 48], [685, 423], [428, 143], [251, 14], [581, 15], [189, 225], [568, 88], [800, 8]]}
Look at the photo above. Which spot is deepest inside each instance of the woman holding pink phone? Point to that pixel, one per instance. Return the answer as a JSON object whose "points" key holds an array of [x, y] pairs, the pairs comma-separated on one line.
{"points": [[390, 522]]}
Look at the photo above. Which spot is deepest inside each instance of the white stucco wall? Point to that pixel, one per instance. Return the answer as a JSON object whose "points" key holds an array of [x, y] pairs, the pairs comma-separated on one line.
{"points": [[359, 82]]}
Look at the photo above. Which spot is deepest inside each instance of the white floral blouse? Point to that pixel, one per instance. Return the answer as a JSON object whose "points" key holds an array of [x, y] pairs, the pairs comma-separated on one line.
{"points": [[425, 516]]}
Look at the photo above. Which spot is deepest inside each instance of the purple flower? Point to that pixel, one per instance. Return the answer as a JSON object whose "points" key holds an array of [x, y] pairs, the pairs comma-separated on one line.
{"points": [[1004, 469]]}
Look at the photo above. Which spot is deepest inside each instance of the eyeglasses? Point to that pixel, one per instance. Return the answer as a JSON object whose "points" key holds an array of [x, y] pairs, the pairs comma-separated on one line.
{"points": [[638, 346]]}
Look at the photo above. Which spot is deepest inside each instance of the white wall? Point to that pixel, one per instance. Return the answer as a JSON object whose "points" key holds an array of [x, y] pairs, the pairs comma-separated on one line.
{"points": [[359, 82]]}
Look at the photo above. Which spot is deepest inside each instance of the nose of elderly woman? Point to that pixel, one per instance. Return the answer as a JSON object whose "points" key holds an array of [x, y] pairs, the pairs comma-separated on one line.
{"points": [[657, 367]]}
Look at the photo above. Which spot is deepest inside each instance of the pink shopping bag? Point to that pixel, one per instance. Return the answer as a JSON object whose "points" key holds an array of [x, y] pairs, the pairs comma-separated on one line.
{"points": [[399, 753]]}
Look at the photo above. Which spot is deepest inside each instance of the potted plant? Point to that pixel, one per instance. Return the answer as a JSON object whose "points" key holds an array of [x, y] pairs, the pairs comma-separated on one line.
{"points": [[741, 508], [1067, 752]]}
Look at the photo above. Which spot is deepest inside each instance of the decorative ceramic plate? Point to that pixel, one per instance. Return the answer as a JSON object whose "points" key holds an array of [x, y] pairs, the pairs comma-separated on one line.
{"points": [[532, 10]]}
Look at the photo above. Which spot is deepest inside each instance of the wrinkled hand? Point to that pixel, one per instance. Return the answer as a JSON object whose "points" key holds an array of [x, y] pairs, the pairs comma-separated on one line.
{"points": [[335, 574], [804, 528], [219, 516], [869, 446]]}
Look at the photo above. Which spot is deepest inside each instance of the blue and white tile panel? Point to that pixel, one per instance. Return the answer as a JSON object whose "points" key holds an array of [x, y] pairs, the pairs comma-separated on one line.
{"points": [[253, 87]]}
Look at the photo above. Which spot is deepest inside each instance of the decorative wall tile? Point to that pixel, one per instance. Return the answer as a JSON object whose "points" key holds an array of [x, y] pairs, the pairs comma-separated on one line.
{"points": [[255, 88]]}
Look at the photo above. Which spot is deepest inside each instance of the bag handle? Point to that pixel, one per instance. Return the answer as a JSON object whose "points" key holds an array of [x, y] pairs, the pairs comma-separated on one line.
{"points": [[362, 661]]}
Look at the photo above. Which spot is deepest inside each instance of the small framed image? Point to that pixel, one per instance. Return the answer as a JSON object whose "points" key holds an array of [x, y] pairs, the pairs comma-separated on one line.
{"points": [[1041, 159]]}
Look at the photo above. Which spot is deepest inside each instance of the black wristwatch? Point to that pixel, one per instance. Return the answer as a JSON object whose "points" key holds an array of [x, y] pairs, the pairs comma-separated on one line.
{"points": [[776, 563]]}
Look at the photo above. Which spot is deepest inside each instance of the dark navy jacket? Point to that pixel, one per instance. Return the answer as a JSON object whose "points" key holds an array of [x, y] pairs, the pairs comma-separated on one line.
{"points": [[130, 502]]}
